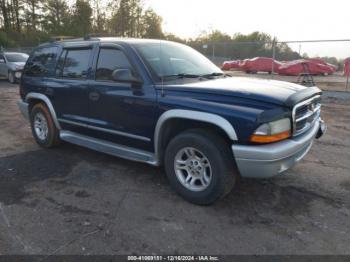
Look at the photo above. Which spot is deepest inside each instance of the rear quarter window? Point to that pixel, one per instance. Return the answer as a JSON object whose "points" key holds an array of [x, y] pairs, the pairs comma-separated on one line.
{"points": [[42, 62]]}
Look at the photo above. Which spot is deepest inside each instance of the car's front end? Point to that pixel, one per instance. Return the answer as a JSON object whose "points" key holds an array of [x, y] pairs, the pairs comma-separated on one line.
{"points": [[279, 145], [15, 65], [275, 122], [17, 69]]}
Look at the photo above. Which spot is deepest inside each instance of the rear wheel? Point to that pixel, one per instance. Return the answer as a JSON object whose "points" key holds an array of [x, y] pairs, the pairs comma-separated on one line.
{"points": [[200, 166], [43, 128]]}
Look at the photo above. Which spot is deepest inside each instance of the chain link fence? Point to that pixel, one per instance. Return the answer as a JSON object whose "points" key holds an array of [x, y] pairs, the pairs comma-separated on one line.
{"points": [[320, 61], [324, 59]]}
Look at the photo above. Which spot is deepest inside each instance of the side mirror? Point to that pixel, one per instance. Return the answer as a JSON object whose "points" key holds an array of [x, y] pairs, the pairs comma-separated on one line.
{"points": [[2, 61], [125, 75]]}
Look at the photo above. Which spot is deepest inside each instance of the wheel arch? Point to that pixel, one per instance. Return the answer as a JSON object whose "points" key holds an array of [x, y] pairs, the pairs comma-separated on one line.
{"points": [[209, 119], [37, 97]]}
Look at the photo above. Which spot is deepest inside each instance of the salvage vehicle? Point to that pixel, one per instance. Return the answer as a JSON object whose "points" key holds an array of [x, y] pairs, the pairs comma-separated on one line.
{"points": [[260, 64], [11, 65], [230, 65], [314, 67], [165, 104]]}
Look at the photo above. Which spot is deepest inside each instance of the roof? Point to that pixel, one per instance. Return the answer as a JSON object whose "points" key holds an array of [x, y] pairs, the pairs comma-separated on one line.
{"points": [[91, 40]]}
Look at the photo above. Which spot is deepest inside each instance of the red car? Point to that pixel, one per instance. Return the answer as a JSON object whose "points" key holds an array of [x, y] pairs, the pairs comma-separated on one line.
{"points": [[295, 68], [334, 68], [260, 64], [228, 65], [347, 67]]}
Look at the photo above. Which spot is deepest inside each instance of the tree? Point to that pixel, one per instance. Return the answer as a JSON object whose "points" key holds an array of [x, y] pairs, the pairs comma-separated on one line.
{"points": [[5, 14], [17, 6], [152, 24], [81, 19], [57, 16], [99, 18], [126, 21], [33, 16]]}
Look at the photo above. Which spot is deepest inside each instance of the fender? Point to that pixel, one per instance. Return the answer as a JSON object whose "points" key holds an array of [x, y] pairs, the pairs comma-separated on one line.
{"points": [[48, 103], [191, 115]]}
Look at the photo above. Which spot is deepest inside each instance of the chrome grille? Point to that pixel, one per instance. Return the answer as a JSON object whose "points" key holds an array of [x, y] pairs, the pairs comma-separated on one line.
{"points": [[305, 115]]}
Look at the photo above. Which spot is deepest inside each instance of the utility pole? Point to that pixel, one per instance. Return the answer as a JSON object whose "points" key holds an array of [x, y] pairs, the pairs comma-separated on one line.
{"points": [[213, 51], [273, 56]]}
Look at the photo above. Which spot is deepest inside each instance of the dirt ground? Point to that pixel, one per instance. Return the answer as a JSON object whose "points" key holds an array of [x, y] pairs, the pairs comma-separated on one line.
{"points": [[72, 200]]}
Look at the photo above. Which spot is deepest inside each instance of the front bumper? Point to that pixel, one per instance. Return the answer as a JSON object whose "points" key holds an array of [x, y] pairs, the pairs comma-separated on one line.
{"points": [[18, 74], [265, 161], [24, 108]]}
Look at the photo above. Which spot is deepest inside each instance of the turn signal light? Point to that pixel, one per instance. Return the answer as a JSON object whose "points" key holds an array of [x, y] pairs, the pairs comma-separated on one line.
{"points": [[270, 138]]}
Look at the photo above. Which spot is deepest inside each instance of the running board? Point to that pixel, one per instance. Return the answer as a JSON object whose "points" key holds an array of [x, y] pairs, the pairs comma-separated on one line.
{"points": [[108, 147]]}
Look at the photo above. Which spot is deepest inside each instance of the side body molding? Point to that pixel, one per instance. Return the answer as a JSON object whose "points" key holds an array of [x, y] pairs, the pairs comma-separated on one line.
{"points": [[191, 115], [48, 103]]}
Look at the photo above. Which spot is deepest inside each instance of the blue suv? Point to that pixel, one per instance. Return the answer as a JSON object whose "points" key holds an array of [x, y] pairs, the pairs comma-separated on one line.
{"points": [[163, 103]]}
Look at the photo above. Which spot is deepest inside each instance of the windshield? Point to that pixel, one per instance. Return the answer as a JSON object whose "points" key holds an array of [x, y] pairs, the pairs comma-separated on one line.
{"points": [[16, 57], [168, 59]]}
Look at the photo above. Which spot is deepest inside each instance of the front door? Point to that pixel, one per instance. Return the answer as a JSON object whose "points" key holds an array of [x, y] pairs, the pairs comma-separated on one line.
{"points": [[120, 112]]}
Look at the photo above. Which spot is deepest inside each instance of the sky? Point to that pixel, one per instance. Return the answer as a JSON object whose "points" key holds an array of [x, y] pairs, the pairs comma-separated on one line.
{"points": [[287, 20]]}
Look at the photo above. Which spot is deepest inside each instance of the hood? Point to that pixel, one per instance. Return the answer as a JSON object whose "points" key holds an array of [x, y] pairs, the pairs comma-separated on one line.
{"points": [[19, 65], [270, 91]]}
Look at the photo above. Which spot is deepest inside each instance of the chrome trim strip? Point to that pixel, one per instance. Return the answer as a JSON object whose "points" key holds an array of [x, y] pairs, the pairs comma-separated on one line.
{"points": [[191, 115], [105, 130], [108, 147], [310, 113], [47, 101]]}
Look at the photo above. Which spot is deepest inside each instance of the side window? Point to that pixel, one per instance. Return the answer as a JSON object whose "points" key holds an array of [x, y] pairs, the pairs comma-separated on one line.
{"points": [[110, 59], [41, 62], [74, 63]]}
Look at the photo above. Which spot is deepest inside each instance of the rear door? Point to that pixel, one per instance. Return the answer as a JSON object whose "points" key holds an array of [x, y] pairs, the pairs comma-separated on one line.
{"points": [[70, 87], [39, 68]]}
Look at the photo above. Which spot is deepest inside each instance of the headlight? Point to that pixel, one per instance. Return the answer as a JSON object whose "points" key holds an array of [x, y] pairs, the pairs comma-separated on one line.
{"points": [[272, 132], [18, 68]]}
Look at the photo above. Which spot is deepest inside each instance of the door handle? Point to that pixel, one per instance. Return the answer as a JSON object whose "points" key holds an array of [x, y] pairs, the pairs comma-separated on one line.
{"points": [[94, 96]]}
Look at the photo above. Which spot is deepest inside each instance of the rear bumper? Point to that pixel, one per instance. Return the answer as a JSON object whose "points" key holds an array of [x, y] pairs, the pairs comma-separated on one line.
{"points": [[270, 160], [24, 108]]}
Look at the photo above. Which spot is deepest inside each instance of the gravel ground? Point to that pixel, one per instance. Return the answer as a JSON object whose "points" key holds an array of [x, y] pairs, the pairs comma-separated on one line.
{"points": [[72, 200]]}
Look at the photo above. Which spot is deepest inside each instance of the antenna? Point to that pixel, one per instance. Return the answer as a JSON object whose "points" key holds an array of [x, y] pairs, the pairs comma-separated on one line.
{"points": [[160, 58], [87, 37]]}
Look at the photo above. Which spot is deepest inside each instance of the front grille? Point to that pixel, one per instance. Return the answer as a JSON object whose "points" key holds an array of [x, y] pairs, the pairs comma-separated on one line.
{"points": [[305, 115]]}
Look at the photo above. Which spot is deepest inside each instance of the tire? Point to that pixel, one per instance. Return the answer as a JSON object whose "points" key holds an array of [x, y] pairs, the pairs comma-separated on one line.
{"points": [[11, 77], [207, 147], [43, 128]]}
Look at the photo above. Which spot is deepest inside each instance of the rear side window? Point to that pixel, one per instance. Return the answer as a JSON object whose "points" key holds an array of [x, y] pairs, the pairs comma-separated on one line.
{"points": [[74, 63], [42, 62], [109, 60]]}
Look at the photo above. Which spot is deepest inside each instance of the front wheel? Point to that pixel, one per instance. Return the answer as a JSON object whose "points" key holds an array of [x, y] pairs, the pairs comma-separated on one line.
{"points": [[200, 166], [11, 77]]}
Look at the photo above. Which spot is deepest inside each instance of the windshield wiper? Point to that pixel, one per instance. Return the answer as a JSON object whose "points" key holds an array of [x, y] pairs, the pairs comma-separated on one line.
{"points": [[213, 75], [182, 75]]}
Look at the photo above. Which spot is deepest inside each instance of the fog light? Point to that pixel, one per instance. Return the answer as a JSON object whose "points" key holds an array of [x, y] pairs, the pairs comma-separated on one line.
{"points": [[18, 74]]}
